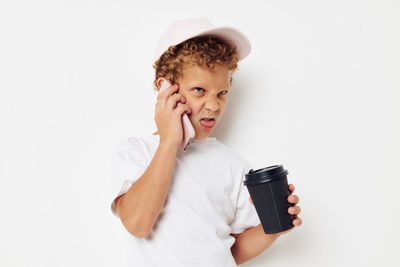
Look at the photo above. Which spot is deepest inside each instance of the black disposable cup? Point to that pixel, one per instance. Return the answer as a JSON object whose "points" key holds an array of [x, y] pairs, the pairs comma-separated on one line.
{"points": [[269, 191]]}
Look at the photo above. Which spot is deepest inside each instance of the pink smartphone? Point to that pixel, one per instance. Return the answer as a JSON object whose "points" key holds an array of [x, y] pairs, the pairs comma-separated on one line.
{"points": [[188, 130]]}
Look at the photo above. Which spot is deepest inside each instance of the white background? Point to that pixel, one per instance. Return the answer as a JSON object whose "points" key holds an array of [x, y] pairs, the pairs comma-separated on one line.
{"points": [[319, 93]]}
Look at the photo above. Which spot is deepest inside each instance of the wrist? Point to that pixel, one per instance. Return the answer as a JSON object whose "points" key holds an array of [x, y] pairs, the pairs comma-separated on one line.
{"points": [[168, 146]]}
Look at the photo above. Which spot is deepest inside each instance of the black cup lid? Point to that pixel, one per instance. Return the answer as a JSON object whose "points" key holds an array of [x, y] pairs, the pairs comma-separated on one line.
{"points": [[264, 175]]}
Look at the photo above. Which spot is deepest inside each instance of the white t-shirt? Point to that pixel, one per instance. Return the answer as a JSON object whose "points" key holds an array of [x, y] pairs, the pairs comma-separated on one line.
{"points": [[206, 202]]}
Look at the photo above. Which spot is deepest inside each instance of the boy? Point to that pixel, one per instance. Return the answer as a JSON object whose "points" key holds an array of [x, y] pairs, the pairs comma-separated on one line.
{"points": [[189, 208]]}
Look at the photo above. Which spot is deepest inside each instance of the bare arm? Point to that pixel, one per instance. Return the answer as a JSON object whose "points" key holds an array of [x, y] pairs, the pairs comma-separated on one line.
{"points": [[140, 206], [254, 241], [251, 243]]}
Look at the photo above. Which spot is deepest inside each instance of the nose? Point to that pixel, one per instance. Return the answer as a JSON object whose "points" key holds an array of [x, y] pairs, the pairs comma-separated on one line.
{"points": [[212, 104]]}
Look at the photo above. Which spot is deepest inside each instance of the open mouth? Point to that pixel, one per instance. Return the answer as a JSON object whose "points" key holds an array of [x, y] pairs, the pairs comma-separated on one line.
{"points": [[207, 123]]}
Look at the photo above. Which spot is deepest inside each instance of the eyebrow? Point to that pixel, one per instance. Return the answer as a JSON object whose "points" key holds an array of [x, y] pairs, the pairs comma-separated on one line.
{"points": [[225, 89]]}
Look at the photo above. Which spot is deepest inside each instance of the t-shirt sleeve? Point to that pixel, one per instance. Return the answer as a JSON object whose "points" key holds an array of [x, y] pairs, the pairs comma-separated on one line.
{"points": [[245, 214], [127, 165]]}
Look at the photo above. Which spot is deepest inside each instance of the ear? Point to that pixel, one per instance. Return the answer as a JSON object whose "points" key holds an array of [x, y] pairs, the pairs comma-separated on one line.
{"points": [[159, 82]]}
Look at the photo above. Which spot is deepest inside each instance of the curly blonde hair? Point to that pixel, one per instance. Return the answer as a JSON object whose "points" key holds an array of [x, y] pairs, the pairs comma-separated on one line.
{"points": [[209, 51]]}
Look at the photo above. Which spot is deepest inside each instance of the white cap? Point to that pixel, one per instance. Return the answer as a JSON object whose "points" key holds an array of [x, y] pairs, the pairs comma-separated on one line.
{"points": [[184, 29]]}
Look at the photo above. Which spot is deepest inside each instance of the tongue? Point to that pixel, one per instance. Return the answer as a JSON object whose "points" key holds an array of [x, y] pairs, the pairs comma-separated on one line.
{"points": [[207, 123]]}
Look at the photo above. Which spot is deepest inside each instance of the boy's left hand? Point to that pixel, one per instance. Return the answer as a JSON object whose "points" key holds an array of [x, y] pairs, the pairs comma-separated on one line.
{"points": [[294, 210]]}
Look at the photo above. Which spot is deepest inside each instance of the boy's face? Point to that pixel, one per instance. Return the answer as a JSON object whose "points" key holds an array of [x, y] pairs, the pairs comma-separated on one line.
{"points": [[206, 92]]}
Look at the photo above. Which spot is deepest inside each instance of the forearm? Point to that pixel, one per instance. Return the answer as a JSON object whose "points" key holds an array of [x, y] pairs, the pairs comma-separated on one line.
{"points": [[143, 202], [251, 243]]}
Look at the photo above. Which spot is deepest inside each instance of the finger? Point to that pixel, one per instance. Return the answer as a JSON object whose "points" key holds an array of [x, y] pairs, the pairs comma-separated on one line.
{"points": [[297, 222], [293, 199], [174, 100], [291, 188], [183, 108], [294, 210], [167, 92]]}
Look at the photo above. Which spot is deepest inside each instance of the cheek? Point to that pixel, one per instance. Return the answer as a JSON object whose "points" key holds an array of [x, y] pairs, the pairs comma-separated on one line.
{"points": [[222, 107], [192, 104]]}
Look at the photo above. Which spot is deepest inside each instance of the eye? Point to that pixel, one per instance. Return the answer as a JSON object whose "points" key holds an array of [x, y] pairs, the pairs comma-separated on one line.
{"points": [[226, 91], [198, 88]]}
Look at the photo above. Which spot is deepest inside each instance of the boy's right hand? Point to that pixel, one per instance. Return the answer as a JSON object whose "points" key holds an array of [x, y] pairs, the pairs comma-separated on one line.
{"points": [[168, 115]]}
